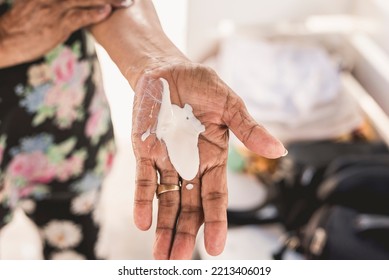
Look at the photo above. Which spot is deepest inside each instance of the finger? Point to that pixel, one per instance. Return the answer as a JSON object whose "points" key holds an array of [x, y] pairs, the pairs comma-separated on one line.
{"points": [[189, 221], [253, 136], [168, 207], [214, 200], [75, 19], [145, 187], [144, 148]]}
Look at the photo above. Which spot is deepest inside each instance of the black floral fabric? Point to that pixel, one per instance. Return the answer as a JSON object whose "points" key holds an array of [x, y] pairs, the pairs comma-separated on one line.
{"points": [[56, 141]]}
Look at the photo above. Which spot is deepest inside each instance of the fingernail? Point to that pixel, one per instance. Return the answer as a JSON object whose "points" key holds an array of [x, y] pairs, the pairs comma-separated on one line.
{"points": [[126, 3], [285, 154]]}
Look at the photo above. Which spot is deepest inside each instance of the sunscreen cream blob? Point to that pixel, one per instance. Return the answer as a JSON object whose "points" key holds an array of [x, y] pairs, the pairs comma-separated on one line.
{"points": [[180, 130], [146, 134]]}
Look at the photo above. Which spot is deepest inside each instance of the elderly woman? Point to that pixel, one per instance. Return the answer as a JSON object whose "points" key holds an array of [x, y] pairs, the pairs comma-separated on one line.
{"points": [[56, 137]]}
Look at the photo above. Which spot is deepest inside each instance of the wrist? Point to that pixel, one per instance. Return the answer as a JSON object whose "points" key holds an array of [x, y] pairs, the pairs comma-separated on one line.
{"points": [[152, 63], [136, 42]]}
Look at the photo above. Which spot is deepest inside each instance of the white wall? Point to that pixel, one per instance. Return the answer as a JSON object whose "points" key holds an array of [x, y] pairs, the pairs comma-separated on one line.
{"points": [[204, 15], [373, 72], [173, 16], [379, 11]]}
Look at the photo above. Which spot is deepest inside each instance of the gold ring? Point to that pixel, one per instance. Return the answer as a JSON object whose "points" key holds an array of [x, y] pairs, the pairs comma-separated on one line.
{"points": [[166, 188]]}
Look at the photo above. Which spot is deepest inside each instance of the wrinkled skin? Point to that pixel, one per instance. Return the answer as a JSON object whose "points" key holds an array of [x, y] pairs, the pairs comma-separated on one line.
{"points": [[37, 26], [180, 214]]}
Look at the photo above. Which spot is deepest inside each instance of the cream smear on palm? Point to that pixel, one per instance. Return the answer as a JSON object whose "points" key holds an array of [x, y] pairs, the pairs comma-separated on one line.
{"points": [[179, 129]]}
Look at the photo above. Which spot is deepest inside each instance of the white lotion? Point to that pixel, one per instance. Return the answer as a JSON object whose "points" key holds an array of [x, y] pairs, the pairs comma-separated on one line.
{"points": [[189, 187], [180, 130], [146, 135]]}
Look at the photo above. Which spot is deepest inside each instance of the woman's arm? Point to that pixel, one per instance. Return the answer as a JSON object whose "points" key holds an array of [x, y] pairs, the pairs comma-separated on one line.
{"points": [[135, 41], [32, 28]]}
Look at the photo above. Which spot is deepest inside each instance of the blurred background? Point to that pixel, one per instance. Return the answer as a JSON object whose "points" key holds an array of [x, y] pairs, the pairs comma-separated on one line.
{"points": [[311, 71], [330, 74]]}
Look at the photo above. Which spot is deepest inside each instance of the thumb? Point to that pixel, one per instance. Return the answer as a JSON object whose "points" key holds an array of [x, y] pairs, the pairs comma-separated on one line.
{"points": [[254, 136]]}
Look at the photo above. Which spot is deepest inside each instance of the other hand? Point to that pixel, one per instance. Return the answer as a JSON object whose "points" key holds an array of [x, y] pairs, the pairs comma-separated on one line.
{"points": [[31, 28]]}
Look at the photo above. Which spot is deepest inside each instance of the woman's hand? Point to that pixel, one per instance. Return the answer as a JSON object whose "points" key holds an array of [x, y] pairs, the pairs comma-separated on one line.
{"points": [[31, 28], [180, 214], [137, 44]]}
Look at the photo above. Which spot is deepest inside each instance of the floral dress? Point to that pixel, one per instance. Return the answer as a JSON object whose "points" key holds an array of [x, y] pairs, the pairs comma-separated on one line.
{"points": [[56, 144]]}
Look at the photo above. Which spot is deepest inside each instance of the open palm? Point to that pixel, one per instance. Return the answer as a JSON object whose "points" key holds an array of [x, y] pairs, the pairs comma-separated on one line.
{"points": [[180, 214]]}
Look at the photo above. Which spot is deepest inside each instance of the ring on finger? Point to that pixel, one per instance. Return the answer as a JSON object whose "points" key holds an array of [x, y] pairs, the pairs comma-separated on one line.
{"points": [[162, 188]]}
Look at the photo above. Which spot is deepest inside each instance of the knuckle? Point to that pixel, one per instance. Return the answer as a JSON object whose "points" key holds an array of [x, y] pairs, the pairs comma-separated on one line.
{"points": [[186, 234], [247, 133], [215, 196], [142, 202], [169, 198], [191, 209], [169, 177], [168, 201], [205, 72], [168, 172], [209, 70], [236, 102], [144, 183], [144, 161], [216, 222], [164, 228]]}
